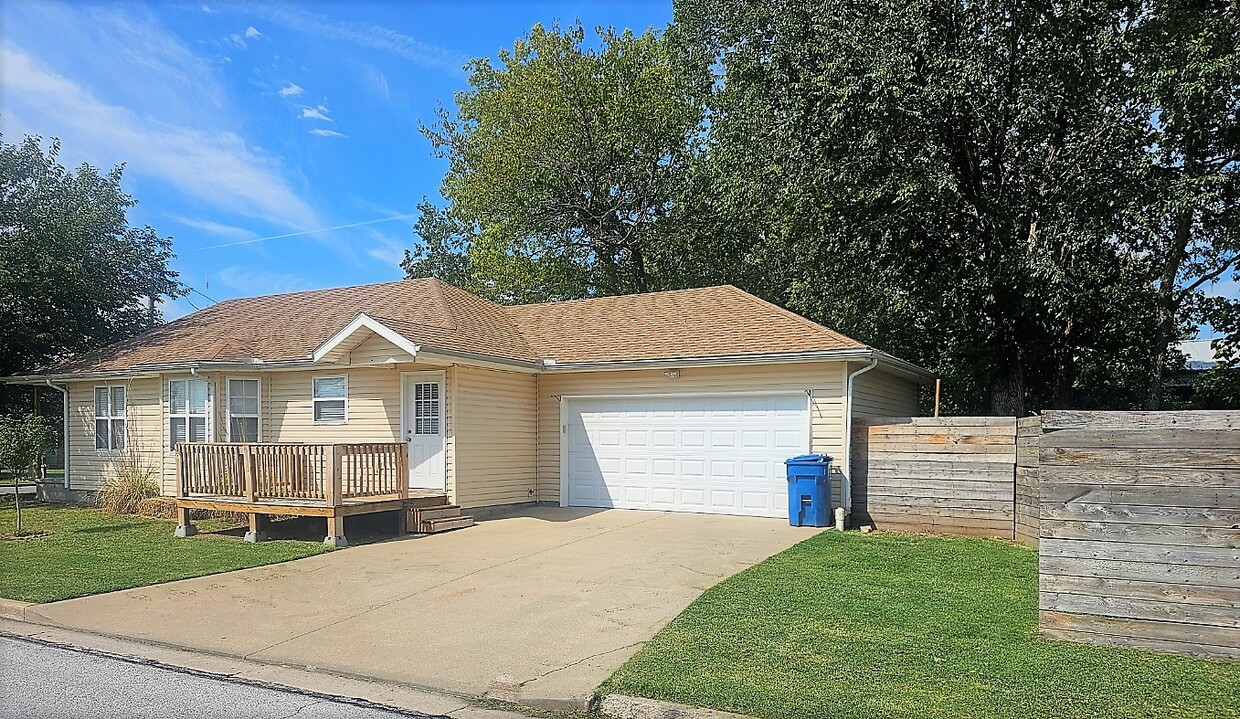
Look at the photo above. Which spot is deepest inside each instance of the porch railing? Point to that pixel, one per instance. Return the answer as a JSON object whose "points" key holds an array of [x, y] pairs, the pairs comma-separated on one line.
{"points": [[327, 473]]}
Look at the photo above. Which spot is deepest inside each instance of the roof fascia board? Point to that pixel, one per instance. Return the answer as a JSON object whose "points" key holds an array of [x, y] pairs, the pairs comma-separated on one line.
{"points": [[432, 354], [365, 321], [848, 355]]}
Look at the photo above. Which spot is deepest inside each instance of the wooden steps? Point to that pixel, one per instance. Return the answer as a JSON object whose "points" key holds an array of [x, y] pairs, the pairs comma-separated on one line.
{"points": [[437, 518]]}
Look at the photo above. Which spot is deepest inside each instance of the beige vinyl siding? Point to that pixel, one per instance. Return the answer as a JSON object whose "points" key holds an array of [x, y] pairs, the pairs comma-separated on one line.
{"points": [[495, 438], [88, 468], [372, 411], [376, 350], [882, 394], [825, 379]]}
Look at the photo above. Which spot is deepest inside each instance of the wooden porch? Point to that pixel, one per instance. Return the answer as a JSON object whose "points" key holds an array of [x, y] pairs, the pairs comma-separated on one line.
{"points": [[333, 481]]}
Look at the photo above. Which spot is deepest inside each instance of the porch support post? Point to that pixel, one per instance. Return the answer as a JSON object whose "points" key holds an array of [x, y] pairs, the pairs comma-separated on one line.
{"points": [[332, 493], [184, 527], [335, 532], [258, 528]]}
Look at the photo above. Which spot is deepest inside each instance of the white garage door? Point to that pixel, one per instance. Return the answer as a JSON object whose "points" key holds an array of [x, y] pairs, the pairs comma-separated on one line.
{"points": [[721, 454]]}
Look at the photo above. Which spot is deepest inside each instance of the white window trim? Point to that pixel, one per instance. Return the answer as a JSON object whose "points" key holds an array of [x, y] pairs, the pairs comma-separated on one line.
{"points": [[228, 413], [315, 400], [123, 416], [210, 412]]}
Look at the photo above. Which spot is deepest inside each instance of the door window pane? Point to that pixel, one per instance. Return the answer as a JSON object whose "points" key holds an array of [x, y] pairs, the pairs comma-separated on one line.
{"points": [[426, 408]]}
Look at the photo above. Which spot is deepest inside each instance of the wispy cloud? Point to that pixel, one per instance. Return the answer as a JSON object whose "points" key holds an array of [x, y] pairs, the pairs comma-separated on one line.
{"points": [[366, 35], [315, 113], [212, 227], [320, 132], [207, 9], [252, 33], [291, 90], [386, 249], [262, 282], [377, 83], [212, 166]]}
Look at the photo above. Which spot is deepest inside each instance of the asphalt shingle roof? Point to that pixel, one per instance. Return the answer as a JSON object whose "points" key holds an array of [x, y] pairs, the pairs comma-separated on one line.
{"points": [[706, 322]]}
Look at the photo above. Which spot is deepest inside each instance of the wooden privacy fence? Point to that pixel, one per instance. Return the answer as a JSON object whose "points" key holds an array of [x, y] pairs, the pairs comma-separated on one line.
{"points": [[328, 473], [948, 475], [1140, 529], [1027, 495]]}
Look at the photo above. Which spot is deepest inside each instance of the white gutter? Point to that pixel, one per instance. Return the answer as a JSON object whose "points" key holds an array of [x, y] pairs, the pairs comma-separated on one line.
{"points": [[848, 413], [896, 365], [64, 437]]}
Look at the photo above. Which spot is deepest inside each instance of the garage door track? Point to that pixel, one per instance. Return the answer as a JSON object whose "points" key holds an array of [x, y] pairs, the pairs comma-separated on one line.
{"points": [[536, 608]]}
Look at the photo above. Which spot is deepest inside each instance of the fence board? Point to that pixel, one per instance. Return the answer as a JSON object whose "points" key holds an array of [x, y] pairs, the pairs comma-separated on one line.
{"points": [[951, 475], [1053, 420], [1140, 530]]}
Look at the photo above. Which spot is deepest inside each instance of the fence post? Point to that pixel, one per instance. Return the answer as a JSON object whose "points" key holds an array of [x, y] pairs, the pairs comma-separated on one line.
{"points": [[332, 489], [180, 474], [402, 470], [249, 474]]}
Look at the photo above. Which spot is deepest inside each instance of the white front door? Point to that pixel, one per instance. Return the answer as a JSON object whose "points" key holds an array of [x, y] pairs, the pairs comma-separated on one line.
{"points": [[719, 454], [423, 428]]}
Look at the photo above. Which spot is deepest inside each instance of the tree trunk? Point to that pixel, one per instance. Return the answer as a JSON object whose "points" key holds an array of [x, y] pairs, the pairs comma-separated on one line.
{"points": [[1168, 307], [641, 280], [1007, 393]]}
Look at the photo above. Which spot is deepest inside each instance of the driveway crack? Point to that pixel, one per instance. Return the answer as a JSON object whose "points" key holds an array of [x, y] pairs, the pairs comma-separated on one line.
{"points": [[570, 665]]}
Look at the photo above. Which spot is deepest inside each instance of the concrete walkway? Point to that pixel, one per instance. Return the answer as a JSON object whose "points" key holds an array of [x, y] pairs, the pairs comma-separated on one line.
{"points": [[537, 608]]}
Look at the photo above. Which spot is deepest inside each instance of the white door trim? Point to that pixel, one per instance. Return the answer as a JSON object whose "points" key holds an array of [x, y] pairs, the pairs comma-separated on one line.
{"points": [[564, 399], [406, 431]]}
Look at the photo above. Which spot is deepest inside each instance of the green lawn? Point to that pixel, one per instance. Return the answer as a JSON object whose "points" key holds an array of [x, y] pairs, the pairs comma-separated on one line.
{"points": [[888, 625], [88, 551]]}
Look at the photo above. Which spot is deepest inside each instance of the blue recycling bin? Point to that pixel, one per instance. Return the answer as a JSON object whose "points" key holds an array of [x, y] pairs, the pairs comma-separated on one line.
{"points": [[809, 490]]}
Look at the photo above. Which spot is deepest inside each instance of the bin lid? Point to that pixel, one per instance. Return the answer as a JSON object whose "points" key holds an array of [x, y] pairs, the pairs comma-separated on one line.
{"points": [[808, 459]]}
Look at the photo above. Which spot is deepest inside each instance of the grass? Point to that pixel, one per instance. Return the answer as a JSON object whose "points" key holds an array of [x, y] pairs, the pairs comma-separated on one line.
{"points": [[885, 625], [88, 551]]}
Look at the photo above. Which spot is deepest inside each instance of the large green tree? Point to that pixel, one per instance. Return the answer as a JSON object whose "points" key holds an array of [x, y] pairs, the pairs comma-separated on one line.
{"points": [[1187, 62], [944, 177], [74, 275], [568, 170]]}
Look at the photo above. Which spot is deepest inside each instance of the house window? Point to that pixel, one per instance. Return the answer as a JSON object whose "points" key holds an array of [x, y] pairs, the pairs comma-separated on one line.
{"points": [[426, 408], [242, 410], [187, 411], [331, 400], [109, 418]]}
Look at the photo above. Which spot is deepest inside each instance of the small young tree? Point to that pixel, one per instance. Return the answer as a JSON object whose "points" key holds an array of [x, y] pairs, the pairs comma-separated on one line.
{"points": [[23, 439]]}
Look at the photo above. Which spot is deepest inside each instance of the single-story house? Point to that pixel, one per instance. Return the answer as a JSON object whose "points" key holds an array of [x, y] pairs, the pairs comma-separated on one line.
{"points": [[683, 401]]}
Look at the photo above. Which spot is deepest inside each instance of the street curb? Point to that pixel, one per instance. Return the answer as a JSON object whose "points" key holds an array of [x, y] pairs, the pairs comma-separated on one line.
{"points": [[13, 609], [619, 706], [361, 691]]}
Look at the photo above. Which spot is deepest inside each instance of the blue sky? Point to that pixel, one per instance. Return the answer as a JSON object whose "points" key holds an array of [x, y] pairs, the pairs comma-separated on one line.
{"points": [[244, 121]]}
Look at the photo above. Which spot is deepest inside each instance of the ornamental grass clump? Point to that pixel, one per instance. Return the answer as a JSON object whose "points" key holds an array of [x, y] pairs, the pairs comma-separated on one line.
{"points": [[127, 485]]}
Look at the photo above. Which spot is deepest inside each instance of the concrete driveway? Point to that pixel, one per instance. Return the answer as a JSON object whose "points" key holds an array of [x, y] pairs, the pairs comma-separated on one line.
{"points": [[536, 608]]}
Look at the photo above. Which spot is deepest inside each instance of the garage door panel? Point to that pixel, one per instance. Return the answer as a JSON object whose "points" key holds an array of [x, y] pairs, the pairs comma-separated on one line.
{"points": [[721, 454]]}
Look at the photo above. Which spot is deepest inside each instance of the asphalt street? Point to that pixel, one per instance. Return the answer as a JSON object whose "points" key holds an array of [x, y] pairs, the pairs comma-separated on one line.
{"points": [[40, 680]]}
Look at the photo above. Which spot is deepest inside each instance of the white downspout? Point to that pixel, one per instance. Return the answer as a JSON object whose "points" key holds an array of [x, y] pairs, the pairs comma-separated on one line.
{"points": [[848, 413], [65, 429]]}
